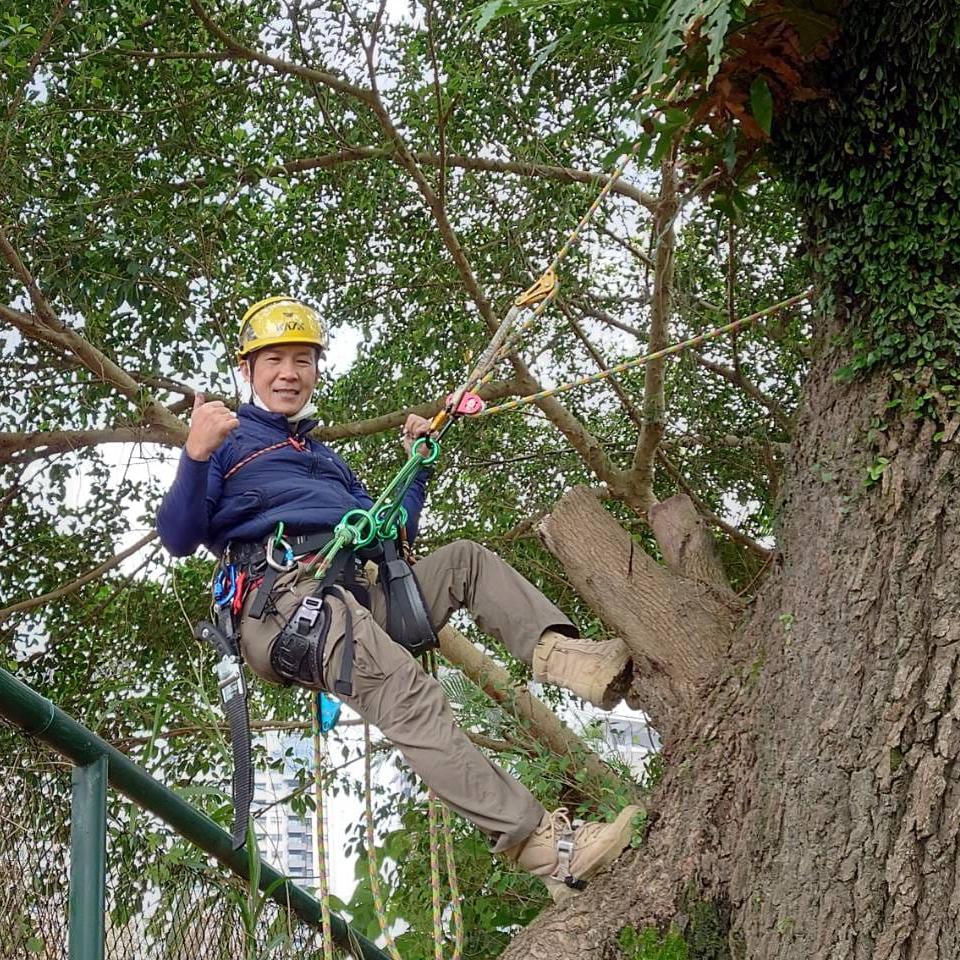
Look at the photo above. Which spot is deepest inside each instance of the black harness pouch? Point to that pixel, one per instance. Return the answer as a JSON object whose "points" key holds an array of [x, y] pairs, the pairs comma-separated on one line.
{"points": [[408, 621]]}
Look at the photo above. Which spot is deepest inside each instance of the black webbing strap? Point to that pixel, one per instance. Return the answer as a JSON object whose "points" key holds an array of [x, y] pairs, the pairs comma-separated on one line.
{"points": [[233, 696], [269, 581], [344, 682], [342, 569]]}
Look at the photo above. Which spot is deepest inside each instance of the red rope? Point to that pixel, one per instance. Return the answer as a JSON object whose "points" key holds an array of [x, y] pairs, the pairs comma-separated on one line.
{"points": [[297, 444]]}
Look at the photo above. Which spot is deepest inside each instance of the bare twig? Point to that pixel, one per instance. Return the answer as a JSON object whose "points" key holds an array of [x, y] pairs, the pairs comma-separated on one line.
{"points": [[661, 308], [442, 117], [589, 310], [243, 52], [75, 585], [739, 379], [627, 403]]}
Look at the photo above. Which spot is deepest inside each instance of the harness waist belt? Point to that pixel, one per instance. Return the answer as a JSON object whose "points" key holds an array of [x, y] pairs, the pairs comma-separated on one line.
{"points": [[253, 554]]}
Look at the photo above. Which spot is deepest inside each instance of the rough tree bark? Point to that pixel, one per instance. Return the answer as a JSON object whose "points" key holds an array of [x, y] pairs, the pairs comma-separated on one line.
{"points": [[811, 799], [811, 804]]}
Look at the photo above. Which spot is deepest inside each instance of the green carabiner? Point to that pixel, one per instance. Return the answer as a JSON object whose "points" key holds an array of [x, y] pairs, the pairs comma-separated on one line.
{"points": [[359, 526], [279, 534], [390, 520], [433, 447]]}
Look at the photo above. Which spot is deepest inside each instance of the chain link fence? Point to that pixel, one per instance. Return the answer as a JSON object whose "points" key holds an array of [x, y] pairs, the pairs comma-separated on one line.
{"points": [[166, 900]]}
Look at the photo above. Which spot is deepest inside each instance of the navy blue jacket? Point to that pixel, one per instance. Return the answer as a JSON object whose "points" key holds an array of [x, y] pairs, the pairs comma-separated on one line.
{"points": [[308, 489]]}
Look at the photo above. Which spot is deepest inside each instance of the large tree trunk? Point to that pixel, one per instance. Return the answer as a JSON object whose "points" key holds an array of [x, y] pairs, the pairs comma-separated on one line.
{"points": [[811, 804]]}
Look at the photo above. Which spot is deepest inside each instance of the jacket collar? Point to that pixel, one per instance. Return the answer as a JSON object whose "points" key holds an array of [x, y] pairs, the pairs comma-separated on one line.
{"points": [[275, 420]]}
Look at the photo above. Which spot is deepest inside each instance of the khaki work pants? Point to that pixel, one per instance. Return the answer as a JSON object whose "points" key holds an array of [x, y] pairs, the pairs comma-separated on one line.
{"points": [[394, 693]]}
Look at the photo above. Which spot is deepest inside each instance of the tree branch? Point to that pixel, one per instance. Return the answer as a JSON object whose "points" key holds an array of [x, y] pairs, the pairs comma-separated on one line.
{"points": [[356, 154], [23, 448], [495, 390], [242, 51], [622, 395], [676, 628], [47, 328], [661, 307], [780, 417], [738, 536], [541, 722], [687, 546], [75, 585]]}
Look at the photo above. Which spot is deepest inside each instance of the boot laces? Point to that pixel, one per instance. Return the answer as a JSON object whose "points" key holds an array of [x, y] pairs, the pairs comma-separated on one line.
{"points": [[561, 834], [559, 824]]}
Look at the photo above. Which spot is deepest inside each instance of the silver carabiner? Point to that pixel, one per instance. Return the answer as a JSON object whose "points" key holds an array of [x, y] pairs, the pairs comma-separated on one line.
{"points": [[289, 561]]}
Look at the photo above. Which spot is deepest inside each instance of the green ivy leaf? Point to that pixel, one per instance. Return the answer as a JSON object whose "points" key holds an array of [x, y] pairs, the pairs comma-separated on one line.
{"points": [[761, 104]]}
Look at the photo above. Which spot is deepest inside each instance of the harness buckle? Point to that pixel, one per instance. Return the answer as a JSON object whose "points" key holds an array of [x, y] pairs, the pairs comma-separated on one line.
{"points": [[230, 679], [310, 609]]}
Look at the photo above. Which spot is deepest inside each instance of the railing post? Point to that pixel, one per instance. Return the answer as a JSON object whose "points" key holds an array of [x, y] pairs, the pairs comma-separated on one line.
{"points": [[88, 859]]}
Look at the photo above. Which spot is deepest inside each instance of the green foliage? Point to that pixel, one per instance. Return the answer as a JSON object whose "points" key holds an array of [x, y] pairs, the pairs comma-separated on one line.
{"points": [[650, 944], [701, 935], [149, 197], [876, 168]]}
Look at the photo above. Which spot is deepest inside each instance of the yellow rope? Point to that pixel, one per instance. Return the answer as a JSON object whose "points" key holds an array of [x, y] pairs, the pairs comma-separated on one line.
{"points": [[435, 876], [572, 239], [373, 868], [434, 806], [646, 358], [454, 885], [320, 832]]}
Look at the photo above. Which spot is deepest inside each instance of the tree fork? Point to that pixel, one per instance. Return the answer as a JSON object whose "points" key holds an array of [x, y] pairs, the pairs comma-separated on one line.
{"points": [[677, 628]]}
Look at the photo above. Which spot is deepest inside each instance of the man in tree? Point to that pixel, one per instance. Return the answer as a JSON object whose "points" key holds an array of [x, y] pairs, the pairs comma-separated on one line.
{"points": [[242, 474]]}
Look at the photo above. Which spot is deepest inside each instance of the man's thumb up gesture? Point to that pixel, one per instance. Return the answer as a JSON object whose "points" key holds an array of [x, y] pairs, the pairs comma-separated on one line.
{"points": [[210, 424]]}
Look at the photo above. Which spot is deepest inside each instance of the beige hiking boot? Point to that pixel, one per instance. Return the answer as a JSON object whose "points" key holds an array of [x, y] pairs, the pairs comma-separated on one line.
{"points": [[566, 857], [596, 670]]}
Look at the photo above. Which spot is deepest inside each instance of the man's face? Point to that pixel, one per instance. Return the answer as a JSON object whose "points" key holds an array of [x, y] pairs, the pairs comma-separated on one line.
{"points": [[284, 376]]}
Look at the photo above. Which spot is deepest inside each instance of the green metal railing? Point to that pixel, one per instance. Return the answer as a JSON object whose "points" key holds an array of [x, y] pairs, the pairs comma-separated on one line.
{"points": [[95, 765]]}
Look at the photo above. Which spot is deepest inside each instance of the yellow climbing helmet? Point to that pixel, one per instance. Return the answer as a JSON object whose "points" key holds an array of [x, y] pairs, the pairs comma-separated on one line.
{"points": [[280, 320]]}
